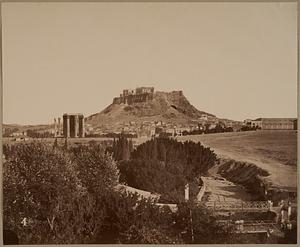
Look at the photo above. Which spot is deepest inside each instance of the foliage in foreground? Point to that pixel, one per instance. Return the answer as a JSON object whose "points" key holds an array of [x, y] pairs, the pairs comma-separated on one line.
{"points": [[68, 196], [46, 199]]}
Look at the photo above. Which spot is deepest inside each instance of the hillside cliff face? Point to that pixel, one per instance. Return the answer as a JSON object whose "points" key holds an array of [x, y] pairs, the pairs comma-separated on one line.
{"points": [[172, 107]]}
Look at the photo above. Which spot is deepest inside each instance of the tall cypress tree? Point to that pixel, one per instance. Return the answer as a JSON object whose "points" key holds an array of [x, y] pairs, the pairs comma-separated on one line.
{"points": [[55, 145], [66, 144], [154, 150]]}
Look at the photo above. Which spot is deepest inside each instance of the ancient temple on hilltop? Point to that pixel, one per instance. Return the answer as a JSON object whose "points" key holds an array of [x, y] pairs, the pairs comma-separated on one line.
{"points": [[138, 95]]}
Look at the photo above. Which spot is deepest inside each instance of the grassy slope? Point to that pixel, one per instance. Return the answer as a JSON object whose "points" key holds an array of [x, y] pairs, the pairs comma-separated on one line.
{"points": [[274, 151]]}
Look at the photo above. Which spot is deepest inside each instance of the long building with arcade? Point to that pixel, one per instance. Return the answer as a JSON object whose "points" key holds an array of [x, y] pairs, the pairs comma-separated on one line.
{"points": [[273, 123]]}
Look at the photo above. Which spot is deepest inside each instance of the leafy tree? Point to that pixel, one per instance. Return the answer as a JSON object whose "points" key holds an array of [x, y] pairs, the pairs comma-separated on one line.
{"points": [[198, 226], [95, 169], [39, 188], [36, 134], [128, 219], [249, 128]]}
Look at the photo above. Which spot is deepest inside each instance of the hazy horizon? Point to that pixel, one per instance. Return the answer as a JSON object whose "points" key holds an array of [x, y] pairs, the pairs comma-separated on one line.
{"points": [[233, 60]]}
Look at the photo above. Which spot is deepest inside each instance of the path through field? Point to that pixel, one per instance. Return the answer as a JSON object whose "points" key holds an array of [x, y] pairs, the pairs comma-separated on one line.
{"points": [[221, 190]]}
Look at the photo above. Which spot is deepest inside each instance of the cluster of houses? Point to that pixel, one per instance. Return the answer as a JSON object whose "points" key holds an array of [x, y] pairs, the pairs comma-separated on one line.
{"points": [[19, 136], [156, 128], [205, 122]]}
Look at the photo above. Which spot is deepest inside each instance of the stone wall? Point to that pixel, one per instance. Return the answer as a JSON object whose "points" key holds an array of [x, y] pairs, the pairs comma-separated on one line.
{"points": [[133, 98]]}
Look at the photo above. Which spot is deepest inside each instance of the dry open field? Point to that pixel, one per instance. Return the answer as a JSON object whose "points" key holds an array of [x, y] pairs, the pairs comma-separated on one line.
{"points": [[274, 151]]}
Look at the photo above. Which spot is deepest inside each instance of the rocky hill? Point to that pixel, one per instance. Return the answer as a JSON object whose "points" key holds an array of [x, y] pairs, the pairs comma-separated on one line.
{"points": [[169, 107]]}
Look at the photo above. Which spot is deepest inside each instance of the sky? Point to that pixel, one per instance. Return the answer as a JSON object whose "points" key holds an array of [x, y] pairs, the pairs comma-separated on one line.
{"points": [[234, 60]]}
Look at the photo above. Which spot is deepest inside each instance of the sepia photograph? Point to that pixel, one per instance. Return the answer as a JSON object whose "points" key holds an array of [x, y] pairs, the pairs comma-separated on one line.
{"points": [[149, 123]]}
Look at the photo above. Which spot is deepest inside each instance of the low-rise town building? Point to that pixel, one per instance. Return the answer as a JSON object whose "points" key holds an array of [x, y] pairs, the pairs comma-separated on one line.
{"points": [[273, 123], [18, 134]]}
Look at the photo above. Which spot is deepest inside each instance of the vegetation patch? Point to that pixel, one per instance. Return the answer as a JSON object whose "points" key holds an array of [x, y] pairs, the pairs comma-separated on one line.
{"points": [[63, 194], [163, 166]]}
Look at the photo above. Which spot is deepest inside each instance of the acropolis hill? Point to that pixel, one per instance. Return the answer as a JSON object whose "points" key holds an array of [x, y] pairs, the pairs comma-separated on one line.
{"points": [[141, 106]]}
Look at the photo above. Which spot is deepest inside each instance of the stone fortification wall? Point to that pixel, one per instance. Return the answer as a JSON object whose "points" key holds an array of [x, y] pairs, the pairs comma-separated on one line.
{"points": [[138, 95]]}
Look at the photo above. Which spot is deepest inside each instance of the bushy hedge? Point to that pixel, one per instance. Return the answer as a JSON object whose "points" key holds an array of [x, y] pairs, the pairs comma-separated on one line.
{"points": [[164, 166]]}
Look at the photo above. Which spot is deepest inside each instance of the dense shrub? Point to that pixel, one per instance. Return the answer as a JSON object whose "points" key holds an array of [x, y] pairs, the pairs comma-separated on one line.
{"points": [[249, 128], [165, 165]]}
